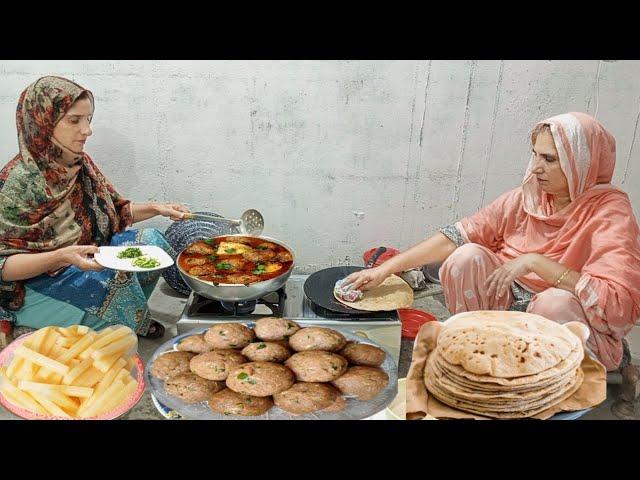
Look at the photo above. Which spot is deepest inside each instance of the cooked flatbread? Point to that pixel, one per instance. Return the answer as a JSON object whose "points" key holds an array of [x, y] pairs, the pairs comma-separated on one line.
{"points": [[504, 364], [493, 389], [569, 363], [496, 398], [505, 344], [523, 413], [391, 294]]}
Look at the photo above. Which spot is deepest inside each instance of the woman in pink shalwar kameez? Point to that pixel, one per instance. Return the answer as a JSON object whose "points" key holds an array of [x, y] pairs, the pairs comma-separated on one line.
{"points": [[564, 245]]}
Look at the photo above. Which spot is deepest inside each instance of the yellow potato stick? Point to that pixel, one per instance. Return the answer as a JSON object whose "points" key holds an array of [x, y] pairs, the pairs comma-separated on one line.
{"points": [[22, 398], [67, 332], [98, 404], [3, 378], [74, 391], [19, 372], [86, 353], [41, 360], [77, 370], [91, 349], [26, 401], [104, 332], [82, 329], [41, 389], [27, 371], [108, 379], [14, 400], [48, 376], [53, 336], [121, 375], [65, 341], [104, 364], [14, 366], [57, 351], [130, 364], [83, 405], [118, 399], [89, 378], [78, 347], [54, 390], [117, 334], [52, 408], [119, 346], [43, 374], [62, 401], [38, 338], [105, 383]]}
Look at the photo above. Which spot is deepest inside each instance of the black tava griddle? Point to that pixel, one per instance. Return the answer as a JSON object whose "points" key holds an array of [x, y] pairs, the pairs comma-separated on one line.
{"points": [[319, 290]]}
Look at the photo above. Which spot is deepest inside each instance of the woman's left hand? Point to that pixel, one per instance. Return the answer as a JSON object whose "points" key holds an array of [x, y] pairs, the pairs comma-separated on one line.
{"points": [[174, 211], [499, 282]]}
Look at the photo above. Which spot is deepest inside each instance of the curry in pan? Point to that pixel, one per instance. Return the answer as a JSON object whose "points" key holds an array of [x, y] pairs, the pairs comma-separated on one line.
{"points": [[235, 260]]}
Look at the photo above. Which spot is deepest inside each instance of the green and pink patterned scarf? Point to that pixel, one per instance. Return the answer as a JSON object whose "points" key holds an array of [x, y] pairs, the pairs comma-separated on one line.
{"points": [[43, 204]]}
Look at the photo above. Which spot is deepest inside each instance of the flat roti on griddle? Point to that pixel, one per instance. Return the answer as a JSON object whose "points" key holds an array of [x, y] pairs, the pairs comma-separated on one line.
{"points": [[391, 294]]}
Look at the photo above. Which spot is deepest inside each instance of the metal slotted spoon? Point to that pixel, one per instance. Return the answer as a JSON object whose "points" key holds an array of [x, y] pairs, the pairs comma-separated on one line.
{"points": [[251, 222]]}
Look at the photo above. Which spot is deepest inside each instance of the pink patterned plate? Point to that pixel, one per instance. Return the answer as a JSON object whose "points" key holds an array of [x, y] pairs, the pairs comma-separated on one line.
{"points": [[5, 358]]}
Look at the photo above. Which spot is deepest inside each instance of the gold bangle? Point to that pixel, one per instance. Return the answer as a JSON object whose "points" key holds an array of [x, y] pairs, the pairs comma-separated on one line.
{"points": [[565, 273]]}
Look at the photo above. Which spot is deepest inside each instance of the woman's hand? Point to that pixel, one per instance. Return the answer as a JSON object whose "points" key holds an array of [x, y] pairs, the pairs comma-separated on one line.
{"points": [[366, 279], [174, 211], [499, 282], [78, 255]]}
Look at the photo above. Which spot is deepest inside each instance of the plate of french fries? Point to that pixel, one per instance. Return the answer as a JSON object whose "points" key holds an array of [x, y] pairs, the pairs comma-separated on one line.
{"points": [[58, 373]]}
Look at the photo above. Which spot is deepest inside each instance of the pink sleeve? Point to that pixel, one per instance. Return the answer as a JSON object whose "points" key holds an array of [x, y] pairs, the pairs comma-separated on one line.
{"points": [[486, 227], [610, 278], [609, 307]]}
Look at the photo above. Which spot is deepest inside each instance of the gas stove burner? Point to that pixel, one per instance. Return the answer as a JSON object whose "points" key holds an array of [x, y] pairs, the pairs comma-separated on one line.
{"points": [[239, 308], [199, 306]]}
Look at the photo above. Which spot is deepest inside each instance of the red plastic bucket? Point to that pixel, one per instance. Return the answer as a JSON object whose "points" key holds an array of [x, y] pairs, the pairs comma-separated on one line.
{"points": [[412, 319], [391, 252]]}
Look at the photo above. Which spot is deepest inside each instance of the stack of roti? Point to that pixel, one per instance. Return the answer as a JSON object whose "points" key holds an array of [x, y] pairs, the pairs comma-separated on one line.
{"points": [[504, 364]]}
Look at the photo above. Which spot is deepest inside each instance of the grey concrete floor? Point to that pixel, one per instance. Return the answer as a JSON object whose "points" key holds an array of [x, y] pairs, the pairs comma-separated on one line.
{"points": [[166, 305]]}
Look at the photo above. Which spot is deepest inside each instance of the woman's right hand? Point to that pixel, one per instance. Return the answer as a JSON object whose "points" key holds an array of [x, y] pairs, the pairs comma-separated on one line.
{"points": [[365, 279], [78, 255]]}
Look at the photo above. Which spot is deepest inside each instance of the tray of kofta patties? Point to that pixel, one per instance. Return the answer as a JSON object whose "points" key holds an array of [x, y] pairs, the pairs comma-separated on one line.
{"points": [[272, 369]]}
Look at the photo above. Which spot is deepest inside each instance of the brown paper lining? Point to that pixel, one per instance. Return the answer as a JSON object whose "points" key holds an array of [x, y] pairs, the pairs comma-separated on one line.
{"points": [[421, 404]]}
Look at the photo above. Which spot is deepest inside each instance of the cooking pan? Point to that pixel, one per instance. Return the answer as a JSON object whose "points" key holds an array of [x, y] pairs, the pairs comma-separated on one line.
{"points": [[237, 292]]}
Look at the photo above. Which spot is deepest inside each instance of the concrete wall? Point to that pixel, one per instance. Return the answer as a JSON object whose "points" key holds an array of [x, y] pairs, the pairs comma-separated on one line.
{"points": [[339, 156]]}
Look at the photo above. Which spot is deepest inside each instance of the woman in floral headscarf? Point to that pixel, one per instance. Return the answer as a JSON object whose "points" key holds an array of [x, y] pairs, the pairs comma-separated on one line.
{"points": [[565, 244], [56, 208]]}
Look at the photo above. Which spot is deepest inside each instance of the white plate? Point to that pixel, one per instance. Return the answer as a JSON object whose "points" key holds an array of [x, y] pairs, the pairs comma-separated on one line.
{"points": [[108, 257]]}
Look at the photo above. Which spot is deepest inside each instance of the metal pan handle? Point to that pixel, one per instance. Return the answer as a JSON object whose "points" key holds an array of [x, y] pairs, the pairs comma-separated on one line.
{"points": [[210, 218]]}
